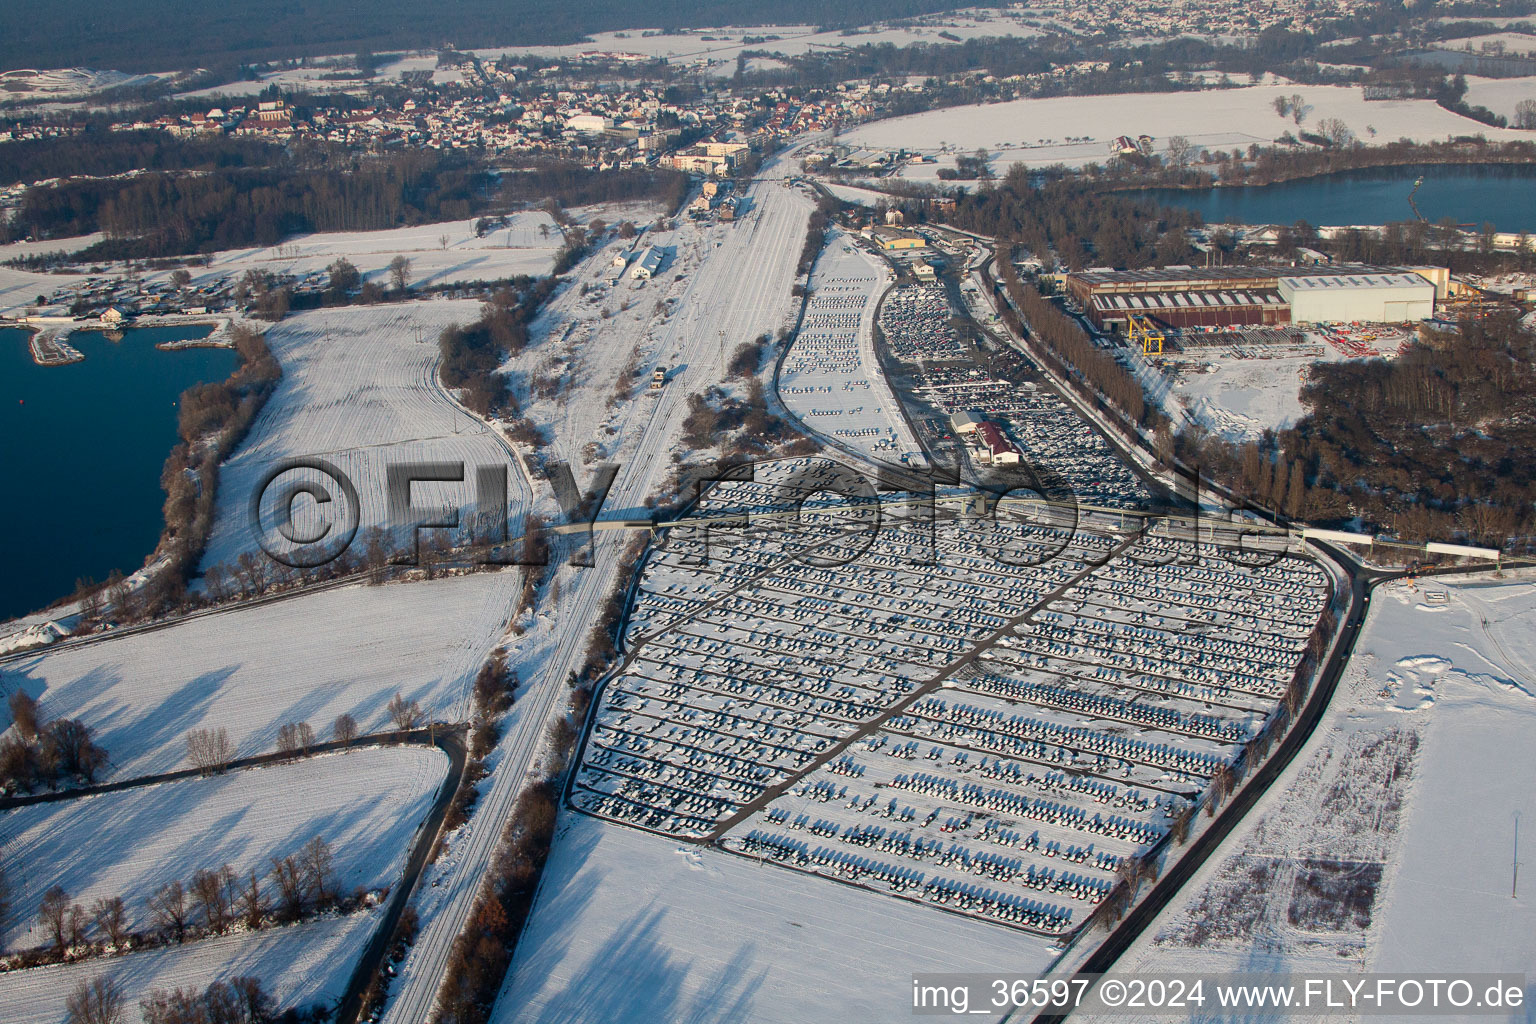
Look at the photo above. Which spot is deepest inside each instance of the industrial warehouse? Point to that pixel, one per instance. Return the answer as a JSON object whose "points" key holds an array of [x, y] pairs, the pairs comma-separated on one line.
{"points": [[1205, 297]]}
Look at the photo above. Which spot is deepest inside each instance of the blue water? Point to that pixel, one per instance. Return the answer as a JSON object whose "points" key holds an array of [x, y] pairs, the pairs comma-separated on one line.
{"points": [[81, 457], [1503, 195]]}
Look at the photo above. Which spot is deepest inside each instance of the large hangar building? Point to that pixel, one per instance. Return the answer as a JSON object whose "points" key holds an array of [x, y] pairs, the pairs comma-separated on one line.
{"points": [[1196, 297]]}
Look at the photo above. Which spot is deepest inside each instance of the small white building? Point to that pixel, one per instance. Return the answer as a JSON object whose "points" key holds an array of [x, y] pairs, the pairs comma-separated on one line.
{"points": [[649, 262], [1373, 298]]}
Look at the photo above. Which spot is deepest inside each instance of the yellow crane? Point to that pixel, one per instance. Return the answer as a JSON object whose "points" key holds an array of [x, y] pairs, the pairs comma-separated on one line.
{"points": [[1142, 330]]}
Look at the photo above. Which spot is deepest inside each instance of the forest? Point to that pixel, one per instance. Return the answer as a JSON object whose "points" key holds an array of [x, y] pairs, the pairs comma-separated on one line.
{"points": [[173, 214], [99, 152], [159, 35], [1066, 211], [1437, 443]]}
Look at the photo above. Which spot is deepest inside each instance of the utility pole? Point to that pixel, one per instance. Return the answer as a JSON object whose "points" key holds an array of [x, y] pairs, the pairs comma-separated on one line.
{"points": [[1514, 884]]}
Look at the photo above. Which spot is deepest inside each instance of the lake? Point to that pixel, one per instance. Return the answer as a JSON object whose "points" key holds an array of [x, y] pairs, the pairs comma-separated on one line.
{"points": [[1504, 195], [82, 453]]}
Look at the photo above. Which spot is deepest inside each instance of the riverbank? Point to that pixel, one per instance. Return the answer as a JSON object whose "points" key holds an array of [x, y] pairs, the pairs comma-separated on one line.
{"points": [[90, 445], [48, 333]]}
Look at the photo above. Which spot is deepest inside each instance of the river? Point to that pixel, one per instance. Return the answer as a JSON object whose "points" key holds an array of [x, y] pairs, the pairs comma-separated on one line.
{"points": [[1501, 194], [82, 453]]}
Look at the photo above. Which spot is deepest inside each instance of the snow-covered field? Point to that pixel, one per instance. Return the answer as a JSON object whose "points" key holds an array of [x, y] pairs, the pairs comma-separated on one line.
{"points": [[525, 246], [360, 391], [1036, 131], [633, 929], [298, 966], [306, 658], [831, 378], [1388, 844], [1508, 43], [366, 804], [1501, 95]]}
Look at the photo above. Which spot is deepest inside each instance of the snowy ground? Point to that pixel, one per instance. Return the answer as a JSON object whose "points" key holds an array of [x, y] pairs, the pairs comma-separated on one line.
{"points": [[299, 966], [632, 928], [525, 246], [306, 658], [1252, 382], [1036, 131], [1512, 43], [1387, 845], [366, 804], [831, 378], [1501, 95], [359, 391]]}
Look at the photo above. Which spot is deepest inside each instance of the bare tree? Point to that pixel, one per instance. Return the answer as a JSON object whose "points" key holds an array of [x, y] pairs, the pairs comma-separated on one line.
{"points": [[318, 865], [111, 918], [252, 574], [179, 1006], [406, 714], [1282, 105], [76, 924], [252, 905], [288, 876], [1335, 131], [53, 915], [255, 1005], [98, 1001], [211, 890], [69, 746], [29, 721], [209, 750], [344, 729], [295, 737], [1525, 114], [169, 910], [400, 273], [1299, 108], [1180, 151], [442, 240]]}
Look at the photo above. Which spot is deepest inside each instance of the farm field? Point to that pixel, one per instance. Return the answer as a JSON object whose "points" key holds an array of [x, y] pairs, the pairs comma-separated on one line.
{"points": [[306, 658], [360, 391], [526, 245], [1394, 827], [299, 966], [633, 929], [366, 804], [1036, 131]]}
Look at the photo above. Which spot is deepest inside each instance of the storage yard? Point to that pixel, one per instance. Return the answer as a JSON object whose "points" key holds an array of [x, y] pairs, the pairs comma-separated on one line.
{"points": [[831, 378], [993, 717]]}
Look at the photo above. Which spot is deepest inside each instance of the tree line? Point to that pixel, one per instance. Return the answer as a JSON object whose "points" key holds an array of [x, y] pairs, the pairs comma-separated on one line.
{"points": [[1100, 376], [1067, 214], [240, 1000], [166, 213], [472, 355], [571, 184], [100, 152], [212, 902]]}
